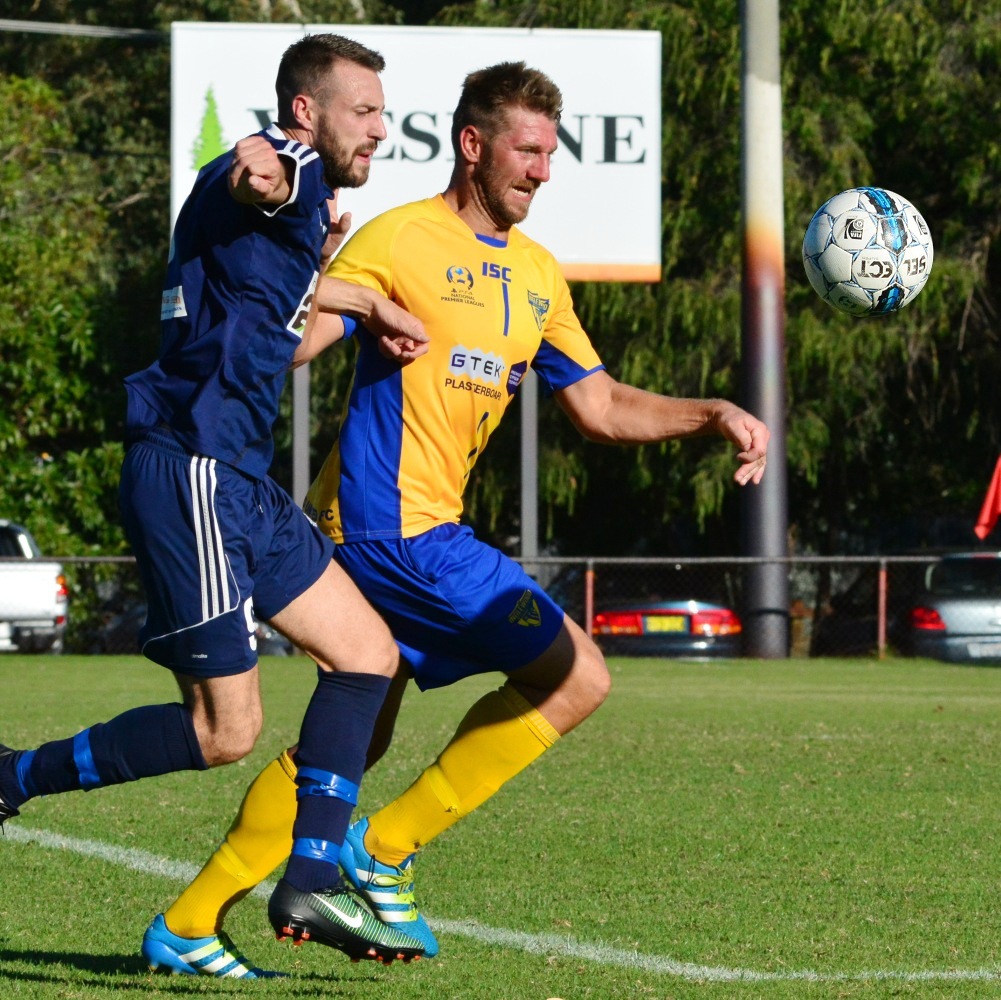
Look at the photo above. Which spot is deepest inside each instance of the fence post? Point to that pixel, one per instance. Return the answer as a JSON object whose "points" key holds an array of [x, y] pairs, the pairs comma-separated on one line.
{"points": [[881, 611], [589, 598]]}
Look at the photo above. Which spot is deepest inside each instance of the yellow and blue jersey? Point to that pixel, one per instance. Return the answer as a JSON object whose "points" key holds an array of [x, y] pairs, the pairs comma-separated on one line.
{"points": [[411, 434]]}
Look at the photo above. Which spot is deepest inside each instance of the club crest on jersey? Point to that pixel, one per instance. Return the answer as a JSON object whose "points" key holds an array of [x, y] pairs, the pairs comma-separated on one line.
{"points": [[526, 612], [540, 308]]}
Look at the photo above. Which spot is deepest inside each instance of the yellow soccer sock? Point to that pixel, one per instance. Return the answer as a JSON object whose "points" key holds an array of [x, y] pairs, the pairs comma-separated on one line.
{"points": [[501, 735], [257, 843]]}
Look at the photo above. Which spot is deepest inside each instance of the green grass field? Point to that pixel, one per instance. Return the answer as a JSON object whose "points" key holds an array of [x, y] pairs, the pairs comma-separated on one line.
{"points": [[792, 829]]}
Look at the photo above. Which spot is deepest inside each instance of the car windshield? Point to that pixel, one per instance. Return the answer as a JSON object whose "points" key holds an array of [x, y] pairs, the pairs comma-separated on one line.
{"points": [[955, 577], [14, 545]]}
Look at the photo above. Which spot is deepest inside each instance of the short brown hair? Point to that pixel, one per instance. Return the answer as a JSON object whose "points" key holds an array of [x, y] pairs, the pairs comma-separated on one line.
{"points": [[306, 64], [488, 93]]}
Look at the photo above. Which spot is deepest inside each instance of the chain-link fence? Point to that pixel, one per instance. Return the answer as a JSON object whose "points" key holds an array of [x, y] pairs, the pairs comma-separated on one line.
{"points": [[838, 606]]}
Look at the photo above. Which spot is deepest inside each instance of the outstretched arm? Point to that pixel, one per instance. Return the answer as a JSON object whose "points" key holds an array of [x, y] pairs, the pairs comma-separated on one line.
{"points": [[611, 412], [400, 334]]}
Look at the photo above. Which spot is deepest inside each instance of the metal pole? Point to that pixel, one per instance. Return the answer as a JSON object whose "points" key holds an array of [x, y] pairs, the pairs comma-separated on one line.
{"points": [[764, 515], [528, 392], [300, 433]]}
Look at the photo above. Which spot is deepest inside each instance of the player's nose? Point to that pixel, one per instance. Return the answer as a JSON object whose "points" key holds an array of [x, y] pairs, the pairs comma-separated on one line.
{"points": [[539, 168]]}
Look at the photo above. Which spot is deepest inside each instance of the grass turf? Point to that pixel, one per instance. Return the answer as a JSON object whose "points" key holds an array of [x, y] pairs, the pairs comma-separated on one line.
{"points": [[749, 829]]}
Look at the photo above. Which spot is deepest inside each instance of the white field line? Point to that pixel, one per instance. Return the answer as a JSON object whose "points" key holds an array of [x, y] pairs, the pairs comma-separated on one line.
{"points": [[536, 944]]}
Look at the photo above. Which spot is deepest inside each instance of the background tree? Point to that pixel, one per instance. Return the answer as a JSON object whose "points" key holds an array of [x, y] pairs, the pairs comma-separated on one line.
{"points": [[893, 427], [893, 423], [56, 273]]}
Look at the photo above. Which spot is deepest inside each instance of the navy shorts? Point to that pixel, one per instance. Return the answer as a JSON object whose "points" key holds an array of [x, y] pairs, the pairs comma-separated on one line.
{"points": [[455, 605], [214, 547]]}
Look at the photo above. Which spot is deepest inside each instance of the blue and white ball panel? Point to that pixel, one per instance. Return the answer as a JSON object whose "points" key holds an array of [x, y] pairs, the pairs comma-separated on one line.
{"points": [[455, 605], [212, 545]]}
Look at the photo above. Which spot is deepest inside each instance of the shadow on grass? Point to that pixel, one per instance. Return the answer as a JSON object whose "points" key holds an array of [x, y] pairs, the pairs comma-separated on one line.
{"points": [[103, 965], [97, 967]]}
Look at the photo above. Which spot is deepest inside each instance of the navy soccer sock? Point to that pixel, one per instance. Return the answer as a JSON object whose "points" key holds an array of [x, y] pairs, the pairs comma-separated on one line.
{"points": [[139, 743], [333, 743]]}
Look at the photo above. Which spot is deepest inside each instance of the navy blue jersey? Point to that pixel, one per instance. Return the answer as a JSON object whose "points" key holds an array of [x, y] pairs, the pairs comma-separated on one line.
{"points": [[238, 286]]}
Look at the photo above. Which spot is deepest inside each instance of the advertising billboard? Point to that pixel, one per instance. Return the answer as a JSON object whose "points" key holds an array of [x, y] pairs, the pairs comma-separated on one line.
{"points": [[600, 215]]}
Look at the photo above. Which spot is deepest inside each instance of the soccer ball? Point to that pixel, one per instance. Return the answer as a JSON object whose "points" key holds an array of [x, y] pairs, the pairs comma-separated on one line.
{"points": [[867, 251]]}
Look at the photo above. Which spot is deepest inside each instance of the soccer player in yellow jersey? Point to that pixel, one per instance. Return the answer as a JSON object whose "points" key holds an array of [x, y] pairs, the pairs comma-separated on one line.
{"points": [[492, 302]]}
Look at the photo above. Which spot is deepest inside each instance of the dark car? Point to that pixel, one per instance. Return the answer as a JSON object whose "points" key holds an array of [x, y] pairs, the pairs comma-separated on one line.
{"points": [[849, 626], [687, 628], [119, 633], [118, 630], [644, 608], [957, 615]]}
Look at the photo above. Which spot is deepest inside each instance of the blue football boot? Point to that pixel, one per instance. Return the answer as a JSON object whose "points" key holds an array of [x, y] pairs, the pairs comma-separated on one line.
{"points": [[388, 890], [207, 956]]}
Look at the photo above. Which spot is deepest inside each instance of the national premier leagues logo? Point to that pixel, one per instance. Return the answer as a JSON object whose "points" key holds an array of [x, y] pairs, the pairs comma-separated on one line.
{"points": [[460, 292], [459, 275]]}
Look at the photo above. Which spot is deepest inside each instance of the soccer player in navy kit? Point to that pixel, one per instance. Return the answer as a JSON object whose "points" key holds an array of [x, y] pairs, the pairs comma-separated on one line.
{"points": [[217, 541]]}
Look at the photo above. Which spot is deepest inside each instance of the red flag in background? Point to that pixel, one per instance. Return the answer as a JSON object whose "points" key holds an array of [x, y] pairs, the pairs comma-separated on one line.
{"points": [[992, 506]]}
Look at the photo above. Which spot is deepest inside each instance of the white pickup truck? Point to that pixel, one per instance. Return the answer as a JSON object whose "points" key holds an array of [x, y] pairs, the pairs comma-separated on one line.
{"points": [[34, 598]]}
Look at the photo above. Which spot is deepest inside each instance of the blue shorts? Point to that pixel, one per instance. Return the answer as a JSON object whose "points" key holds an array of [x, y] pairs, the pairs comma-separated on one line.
{"points": [[213, 547], [455, 605]]}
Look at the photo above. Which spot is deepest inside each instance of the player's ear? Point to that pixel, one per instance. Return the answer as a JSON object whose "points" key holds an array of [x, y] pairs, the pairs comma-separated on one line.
{"points": [[471, 141], [304, 111]]}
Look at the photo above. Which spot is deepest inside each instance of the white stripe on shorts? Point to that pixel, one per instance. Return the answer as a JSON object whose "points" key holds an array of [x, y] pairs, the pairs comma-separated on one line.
{"points": [[212, 566]]}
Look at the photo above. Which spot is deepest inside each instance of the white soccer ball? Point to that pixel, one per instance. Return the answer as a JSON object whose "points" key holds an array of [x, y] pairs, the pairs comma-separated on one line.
{"points": [[867, 251]]}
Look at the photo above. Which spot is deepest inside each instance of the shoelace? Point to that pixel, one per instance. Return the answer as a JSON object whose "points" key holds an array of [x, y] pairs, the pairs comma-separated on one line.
{"points": [[404, 883]]}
